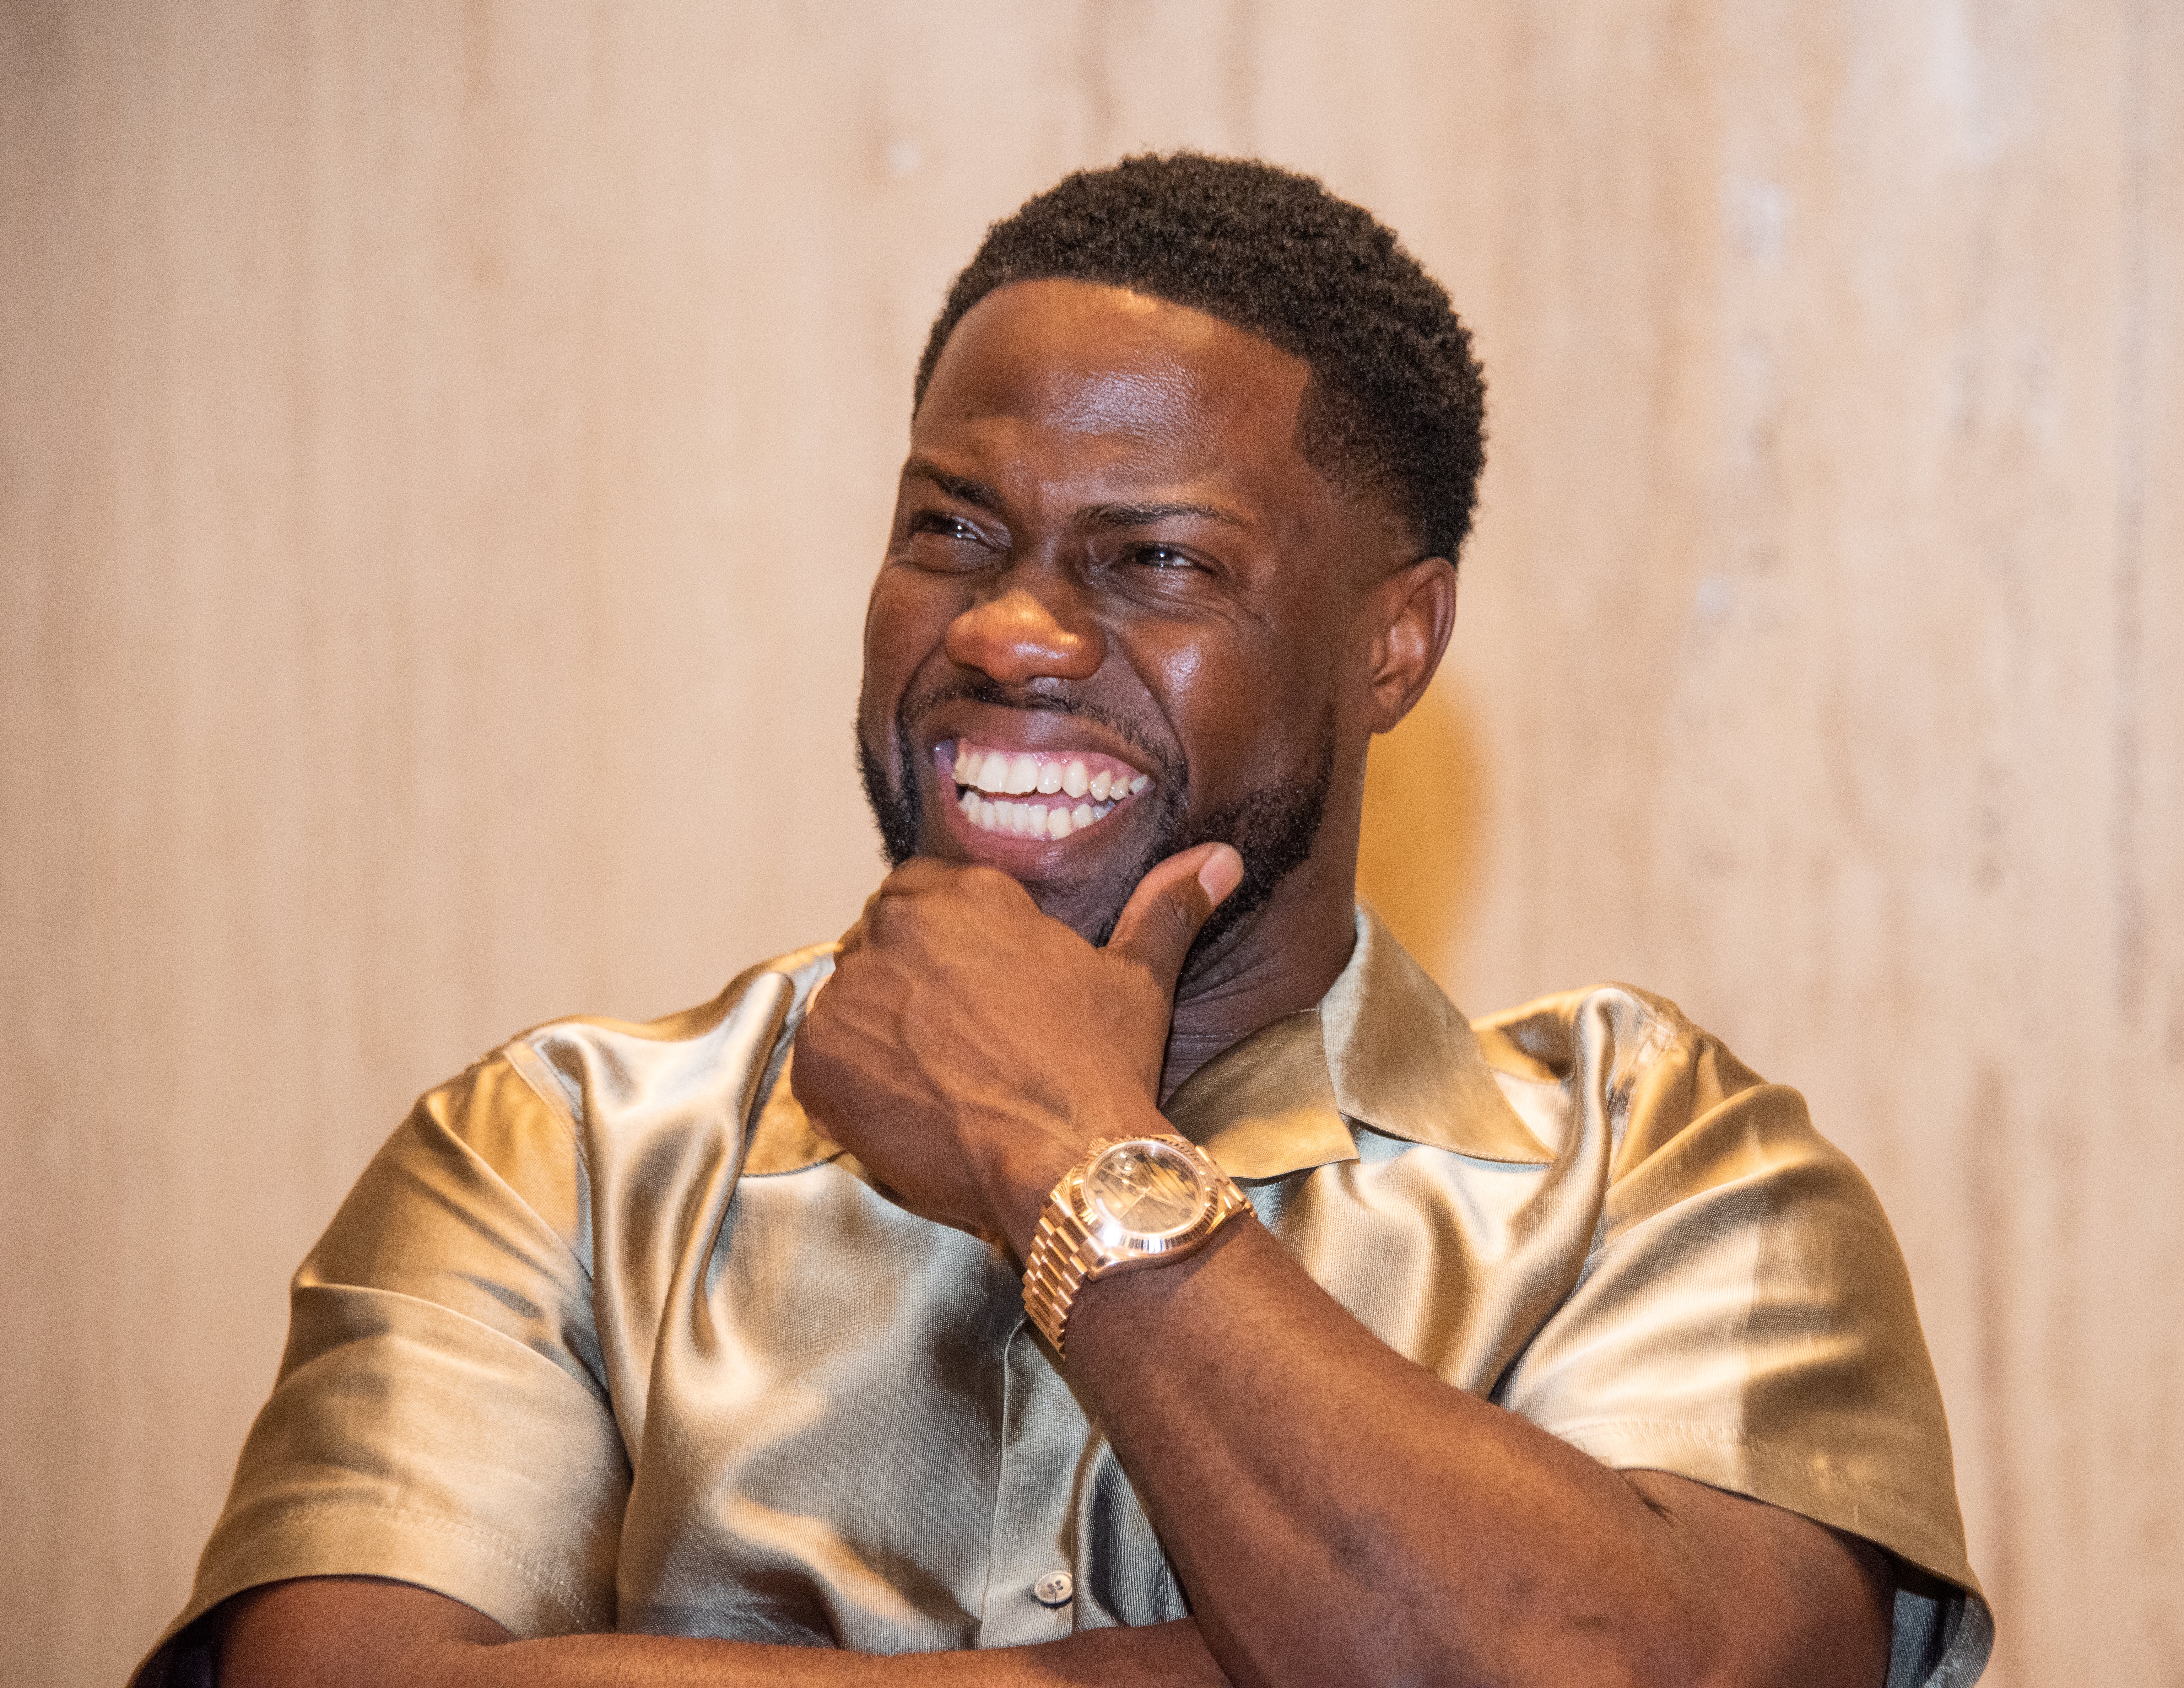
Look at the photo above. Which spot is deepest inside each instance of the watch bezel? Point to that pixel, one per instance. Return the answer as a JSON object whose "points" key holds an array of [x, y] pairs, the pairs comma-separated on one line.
{"points": [[1111, 1237], [1073, 1247]]}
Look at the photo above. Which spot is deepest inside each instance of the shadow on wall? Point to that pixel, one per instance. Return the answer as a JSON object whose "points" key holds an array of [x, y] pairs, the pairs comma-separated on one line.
{"points": [[1418, 858]]}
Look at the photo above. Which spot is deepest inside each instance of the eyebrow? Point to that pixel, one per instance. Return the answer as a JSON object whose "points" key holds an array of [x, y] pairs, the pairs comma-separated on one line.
{"points": [[1100, 517], [1104, 517], [960, 487]]}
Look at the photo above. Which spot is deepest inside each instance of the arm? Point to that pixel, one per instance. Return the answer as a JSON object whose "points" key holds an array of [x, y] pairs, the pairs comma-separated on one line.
{"points": [[354, 1632], [1334, 1512], [1339, 1514]]}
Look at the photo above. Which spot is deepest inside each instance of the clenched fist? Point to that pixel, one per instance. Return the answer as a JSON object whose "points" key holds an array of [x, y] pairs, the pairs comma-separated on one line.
{"points": [[969, 1048]]}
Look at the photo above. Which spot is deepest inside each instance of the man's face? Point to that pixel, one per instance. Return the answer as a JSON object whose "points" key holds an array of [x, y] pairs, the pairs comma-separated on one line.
{"points": [[1116, 613]]}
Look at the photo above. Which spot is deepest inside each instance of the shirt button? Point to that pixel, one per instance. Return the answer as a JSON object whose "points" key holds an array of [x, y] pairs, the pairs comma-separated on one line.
{"points": [[1056, 1588]]}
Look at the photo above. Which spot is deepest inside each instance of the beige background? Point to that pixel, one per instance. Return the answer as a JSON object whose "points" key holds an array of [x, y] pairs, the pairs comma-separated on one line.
{"points": [[442, 452]]}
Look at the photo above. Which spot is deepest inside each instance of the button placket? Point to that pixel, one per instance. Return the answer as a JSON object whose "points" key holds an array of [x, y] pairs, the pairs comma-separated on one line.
{"points": [[1031, 1587], [1056, 1588]]}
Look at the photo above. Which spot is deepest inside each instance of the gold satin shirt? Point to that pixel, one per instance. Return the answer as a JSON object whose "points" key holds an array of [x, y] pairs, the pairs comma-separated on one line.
{"points": [[608, 1337]]}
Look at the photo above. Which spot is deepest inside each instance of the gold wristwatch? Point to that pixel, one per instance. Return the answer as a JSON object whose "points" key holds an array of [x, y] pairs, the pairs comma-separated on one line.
{"points": [[1130, 1203]]}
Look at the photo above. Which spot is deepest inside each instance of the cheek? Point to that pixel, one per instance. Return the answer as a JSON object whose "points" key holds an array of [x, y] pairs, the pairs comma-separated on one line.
{"points": [[1243, 710], [905, 621]]}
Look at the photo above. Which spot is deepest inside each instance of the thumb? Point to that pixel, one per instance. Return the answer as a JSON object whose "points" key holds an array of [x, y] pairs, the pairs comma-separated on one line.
{"points": [[1163, 917]]}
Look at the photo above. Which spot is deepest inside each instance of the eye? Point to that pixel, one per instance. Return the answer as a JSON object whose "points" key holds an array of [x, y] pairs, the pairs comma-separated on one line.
{"points": [[1159, 556], [933, 539]]}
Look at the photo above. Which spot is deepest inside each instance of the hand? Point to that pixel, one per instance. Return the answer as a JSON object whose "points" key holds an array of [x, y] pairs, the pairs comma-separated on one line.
{"points": [[969, 1048]]}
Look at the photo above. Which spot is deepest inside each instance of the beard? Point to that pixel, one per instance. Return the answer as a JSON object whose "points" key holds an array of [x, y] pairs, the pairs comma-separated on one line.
{"points": [[1273, 827]]}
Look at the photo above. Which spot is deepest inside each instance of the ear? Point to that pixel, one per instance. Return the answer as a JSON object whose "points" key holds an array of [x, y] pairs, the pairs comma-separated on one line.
{"points": [[1413, 613]]}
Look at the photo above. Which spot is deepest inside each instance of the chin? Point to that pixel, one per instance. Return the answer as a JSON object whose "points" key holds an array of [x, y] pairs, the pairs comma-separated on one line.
{"points": [[1082, 880]]}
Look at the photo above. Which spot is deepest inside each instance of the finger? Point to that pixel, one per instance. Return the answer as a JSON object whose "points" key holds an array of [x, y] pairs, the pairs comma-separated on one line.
{"points": [[1161, 919], [926, 876], [812, 1116], [919, 873]]}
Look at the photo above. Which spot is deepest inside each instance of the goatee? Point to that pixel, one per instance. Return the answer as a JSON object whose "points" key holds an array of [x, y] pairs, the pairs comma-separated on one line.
{"points": [[1272, 827]]}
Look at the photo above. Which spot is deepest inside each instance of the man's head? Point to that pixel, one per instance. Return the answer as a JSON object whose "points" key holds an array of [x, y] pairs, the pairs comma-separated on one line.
{"points": [[1194, 448]]}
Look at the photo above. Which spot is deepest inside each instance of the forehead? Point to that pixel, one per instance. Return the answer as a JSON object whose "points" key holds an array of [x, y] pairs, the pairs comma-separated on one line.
{"points": [[1103, 368]]}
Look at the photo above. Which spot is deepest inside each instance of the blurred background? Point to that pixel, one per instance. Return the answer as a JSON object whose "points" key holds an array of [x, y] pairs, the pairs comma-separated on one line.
{"points": [[443, 448]]}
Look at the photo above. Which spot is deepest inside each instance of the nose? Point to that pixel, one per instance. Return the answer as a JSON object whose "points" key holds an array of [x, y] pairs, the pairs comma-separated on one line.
{"points": [[1020, 635]]}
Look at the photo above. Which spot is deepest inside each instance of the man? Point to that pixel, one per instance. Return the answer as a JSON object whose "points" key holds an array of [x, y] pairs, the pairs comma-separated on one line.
{"points": [[1363, 1347]]}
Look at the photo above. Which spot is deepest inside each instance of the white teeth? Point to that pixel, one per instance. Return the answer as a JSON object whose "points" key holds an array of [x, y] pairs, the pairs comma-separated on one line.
{"points": [[1036, 820], [987, 774]]}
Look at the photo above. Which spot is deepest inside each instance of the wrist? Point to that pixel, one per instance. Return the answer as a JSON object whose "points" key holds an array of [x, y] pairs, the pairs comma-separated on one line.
{"points": [[1136, 1201], [1032, 1167]]}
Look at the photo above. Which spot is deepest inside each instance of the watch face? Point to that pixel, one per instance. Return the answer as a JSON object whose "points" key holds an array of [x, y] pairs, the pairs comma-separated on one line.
{"points": [[1145, 1188]]}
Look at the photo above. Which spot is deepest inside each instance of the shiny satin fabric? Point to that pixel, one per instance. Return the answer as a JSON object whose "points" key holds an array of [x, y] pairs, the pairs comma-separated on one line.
{"points": [[608, 1337]]}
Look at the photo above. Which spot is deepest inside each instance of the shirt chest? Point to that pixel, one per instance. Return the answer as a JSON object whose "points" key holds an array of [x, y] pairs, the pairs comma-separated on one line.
{"points": [[852, 1435]]}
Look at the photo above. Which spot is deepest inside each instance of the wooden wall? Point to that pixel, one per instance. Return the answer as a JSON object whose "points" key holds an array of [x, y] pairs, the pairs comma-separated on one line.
{"points": [[442, 448]]}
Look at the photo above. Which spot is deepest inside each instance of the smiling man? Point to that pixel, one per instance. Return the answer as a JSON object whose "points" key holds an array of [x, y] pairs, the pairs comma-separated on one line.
{"points": [[1115, 1262]]}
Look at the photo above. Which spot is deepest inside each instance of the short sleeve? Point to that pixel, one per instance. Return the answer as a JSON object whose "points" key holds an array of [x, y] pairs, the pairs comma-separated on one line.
{"points": [[1745, 1319], [440, 1416]]}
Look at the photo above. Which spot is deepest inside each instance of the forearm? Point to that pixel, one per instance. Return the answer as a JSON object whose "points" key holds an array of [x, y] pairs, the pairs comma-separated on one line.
{"points": [[341, 1632], [1170, 1655], [1337, 1513]]}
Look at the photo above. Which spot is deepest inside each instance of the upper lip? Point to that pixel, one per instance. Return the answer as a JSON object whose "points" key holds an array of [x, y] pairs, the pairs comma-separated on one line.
{"points": [[1041, 732]]}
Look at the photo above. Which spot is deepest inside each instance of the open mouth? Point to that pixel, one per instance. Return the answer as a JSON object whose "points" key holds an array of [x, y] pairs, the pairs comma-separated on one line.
{"points": [[1036, 794]]}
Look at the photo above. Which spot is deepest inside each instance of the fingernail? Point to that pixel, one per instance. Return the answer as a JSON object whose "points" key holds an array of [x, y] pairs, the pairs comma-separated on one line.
{"points": [[1221, 872]]}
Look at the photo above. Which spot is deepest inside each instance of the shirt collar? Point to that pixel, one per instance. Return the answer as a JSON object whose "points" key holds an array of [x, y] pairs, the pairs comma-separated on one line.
{"points": [[1385, 1050]]}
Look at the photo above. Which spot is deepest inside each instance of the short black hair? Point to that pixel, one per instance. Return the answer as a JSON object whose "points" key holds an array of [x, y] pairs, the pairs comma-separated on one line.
{"points": [[1397, 403]]}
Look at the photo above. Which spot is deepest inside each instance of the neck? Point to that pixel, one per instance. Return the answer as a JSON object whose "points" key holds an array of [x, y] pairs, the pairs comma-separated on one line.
{"points": [[1280, 961]]}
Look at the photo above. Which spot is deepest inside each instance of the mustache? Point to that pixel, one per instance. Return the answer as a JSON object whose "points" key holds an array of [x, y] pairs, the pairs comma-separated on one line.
{"points": [[1047, 697]]}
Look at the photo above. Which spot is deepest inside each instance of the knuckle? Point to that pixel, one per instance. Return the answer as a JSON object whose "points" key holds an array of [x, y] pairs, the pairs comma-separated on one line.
{"points": [[984, 881], [1180, 915], [914, 875]]}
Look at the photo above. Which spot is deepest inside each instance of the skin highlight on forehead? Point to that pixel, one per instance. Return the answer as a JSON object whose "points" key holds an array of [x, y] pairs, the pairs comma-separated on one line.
{"points": [[1103, 361]]}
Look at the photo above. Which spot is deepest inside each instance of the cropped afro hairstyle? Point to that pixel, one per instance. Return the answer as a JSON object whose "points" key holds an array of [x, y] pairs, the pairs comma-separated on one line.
{"points": [[1396, 402]]}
